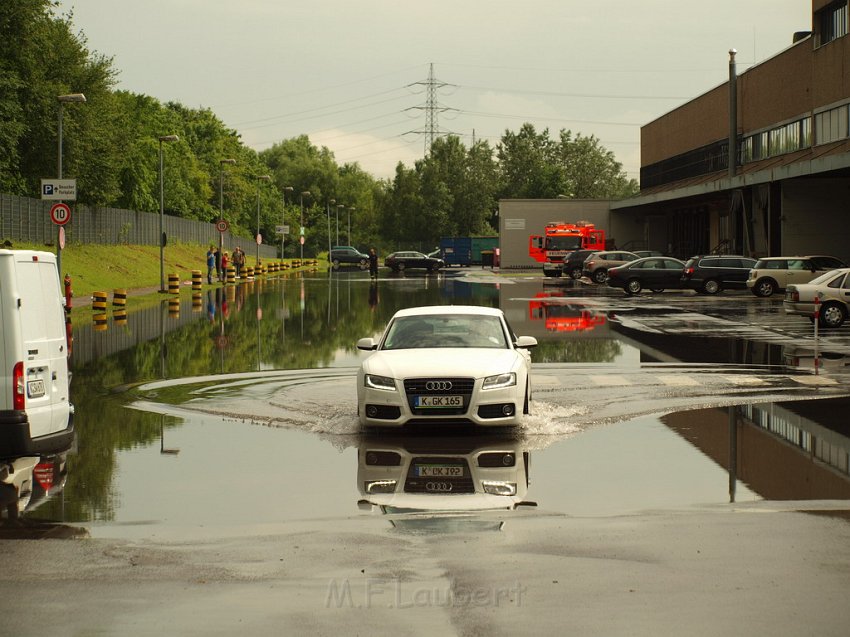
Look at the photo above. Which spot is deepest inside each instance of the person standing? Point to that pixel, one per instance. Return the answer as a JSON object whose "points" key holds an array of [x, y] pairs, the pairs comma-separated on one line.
{"points": [[373, 263], [210, 263], [225, 261], [238, 261], [218, 264]]}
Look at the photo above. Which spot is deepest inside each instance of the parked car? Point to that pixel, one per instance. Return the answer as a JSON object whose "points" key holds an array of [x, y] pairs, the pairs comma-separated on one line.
{"points": [[346, 255], [711, 273], [408, 260], [654, 273], [573, 265], [445, 364], [834, 290], [597, 264], [774, 274]]}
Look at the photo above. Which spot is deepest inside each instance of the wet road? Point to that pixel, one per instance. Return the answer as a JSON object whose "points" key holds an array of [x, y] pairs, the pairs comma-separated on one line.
{"points": [[206, 433]]}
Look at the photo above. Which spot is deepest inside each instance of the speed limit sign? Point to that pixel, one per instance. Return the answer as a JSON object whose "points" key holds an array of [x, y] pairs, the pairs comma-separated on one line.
{"points": [[60, 214], [221, 225]]}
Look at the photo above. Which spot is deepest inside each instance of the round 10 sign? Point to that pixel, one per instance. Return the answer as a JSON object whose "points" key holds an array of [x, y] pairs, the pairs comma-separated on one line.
{"points": [[60, 214]]}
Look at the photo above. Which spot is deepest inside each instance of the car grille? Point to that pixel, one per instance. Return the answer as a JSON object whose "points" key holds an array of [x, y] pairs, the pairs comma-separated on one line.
{"points": [[419, 387], [438, 486]]}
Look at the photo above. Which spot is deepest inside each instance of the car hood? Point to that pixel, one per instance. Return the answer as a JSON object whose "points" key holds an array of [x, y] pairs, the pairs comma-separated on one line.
{"points": [[451, 361]]}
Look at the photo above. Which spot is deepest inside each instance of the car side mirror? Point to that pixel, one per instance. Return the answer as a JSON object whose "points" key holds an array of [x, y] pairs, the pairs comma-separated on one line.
{"points": [[526, 342], [367, 344]]}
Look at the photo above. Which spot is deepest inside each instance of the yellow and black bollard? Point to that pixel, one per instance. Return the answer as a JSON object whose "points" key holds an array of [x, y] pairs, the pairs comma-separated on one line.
{"points": [[197, 302], [119, 298], [197, 280], [99, 322], [98, 301], [249, 272], [231, 274], [174, 308], [173, 283], [119, 316]]}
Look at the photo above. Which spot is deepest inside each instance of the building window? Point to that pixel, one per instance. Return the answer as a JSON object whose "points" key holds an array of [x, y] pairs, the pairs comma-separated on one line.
{"points": [[832, 125], [831, 23], [777, 141]]}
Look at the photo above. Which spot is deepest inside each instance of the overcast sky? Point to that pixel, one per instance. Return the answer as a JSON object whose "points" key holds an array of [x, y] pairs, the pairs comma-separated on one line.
{"points": [[351, 73]]}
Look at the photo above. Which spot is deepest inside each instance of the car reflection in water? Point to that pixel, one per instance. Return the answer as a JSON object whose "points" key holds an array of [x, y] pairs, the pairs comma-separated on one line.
{"points": [[442, 483], [560, 316], [26, 484]]}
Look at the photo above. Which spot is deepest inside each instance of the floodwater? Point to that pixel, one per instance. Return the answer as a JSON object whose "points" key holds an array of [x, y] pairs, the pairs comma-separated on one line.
{"points": [[236, 410]]}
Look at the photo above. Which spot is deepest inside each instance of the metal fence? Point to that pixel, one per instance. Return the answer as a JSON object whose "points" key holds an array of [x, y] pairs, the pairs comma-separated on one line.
{"points": [[28, 219]]}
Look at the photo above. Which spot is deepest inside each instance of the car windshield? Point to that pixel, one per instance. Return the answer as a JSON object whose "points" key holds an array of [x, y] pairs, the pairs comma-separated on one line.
{"points": [[563, 243], [446, 330]]}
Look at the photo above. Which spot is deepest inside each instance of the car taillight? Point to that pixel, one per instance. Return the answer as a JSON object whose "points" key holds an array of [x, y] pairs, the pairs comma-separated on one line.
{"points": [[18, 386], [589, 264], [795, 296], [689, 271]]}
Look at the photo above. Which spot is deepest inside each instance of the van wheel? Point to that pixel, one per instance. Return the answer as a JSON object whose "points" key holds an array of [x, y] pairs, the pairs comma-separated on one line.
{"points": [[831, 315], [712, 286], [764, 287]]}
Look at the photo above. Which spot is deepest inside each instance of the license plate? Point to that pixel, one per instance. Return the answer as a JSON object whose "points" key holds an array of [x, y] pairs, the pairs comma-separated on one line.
{"points": [[439, 471], [35, 388], [439, 401]]}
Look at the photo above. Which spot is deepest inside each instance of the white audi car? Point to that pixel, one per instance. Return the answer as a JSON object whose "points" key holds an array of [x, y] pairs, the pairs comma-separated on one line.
{"points": [[445, 364]]}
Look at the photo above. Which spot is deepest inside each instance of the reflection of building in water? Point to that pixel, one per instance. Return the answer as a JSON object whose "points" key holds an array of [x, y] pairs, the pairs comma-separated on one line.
{"points": [[786, 451], [442, 483]]}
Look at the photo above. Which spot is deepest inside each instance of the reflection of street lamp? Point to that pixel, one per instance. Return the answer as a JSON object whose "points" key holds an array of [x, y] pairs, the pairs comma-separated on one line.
{"points": [[337, 222], [328, 206], [350, 209], [259, 179], [163, 138], [286, 189], [305, 193], [63, 99], [222, 163]]}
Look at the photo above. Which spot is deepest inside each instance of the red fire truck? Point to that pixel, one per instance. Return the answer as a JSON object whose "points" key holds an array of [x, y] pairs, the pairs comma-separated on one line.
{"points": [[560, 239]]}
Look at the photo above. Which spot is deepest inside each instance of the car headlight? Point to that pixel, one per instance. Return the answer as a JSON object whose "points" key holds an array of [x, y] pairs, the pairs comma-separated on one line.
{"points": [[494, 487], [379, 382], [499, 381]]}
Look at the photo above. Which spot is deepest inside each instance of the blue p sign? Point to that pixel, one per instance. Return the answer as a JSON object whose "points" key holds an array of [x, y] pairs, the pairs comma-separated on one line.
{"points": [[47, 189]]}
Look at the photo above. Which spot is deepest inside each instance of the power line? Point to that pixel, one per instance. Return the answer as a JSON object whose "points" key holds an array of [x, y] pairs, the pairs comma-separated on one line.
{"points": [[432, 108]]}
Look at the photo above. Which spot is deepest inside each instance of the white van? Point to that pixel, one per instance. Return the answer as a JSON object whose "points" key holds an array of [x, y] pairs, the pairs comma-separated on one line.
{"points": [[36, 415]]}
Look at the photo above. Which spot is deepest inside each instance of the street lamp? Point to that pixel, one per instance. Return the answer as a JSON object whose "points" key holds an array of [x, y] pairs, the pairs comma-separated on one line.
{"points": [[337, 222], [305, 193], [328, 206], [222, 163], [163, 138], [286, 189], [350, 210], [259, 179], [63, 99]]}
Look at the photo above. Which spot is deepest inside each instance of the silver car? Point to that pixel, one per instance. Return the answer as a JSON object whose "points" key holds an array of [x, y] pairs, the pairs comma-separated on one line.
{"points": [[833, 291], [596, 265]]}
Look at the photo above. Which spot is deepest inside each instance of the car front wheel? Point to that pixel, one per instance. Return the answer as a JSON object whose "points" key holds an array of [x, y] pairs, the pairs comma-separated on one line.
{"points": [[764, 287], [831, 315], [633, 286], [575, 273], [399, 267], [336, 264], [600, 276]]}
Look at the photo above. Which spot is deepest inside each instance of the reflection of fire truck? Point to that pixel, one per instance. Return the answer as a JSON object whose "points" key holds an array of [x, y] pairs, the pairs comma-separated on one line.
{"points": [[562, 238], [560, 317]]}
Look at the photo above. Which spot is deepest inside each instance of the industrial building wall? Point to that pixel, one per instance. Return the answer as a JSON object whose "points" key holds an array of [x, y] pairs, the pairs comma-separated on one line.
{"points": [[520, 218], [815, 212]]}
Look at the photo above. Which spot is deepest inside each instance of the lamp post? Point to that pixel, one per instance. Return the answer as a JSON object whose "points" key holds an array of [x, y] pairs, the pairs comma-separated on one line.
{"points": [[222, 163], [337, 222], [328, 206], [350, 210], [305, 193], [166, 139], [63, 99], [259, 179], [286, 189]]}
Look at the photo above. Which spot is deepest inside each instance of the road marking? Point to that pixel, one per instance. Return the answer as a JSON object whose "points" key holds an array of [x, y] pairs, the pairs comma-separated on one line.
{"points": [[610, 380], [678, 380], [744, 380], [814, 380]]}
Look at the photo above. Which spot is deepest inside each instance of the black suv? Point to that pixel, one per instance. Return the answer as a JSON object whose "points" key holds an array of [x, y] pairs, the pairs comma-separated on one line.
{"points": [[714, 272], [572, 265], [346, 255]]}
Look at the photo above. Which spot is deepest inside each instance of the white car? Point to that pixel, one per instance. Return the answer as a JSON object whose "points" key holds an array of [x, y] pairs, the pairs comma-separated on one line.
{"points": [[834, 290], [445, 364]]}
